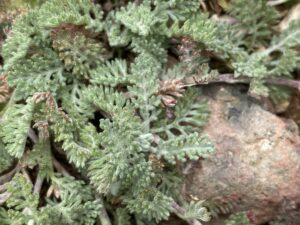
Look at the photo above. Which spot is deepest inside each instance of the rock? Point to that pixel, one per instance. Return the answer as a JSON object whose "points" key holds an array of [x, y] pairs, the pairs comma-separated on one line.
{"points": [[256, 165]]}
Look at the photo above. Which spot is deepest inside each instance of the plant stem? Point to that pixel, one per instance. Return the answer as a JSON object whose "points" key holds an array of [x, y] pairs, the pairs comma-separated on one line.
{"points": [[33, 137], [230, 79], [104, 218], [60, 167], [38, 184], [26, 175], [6, 177], [276, 2]]}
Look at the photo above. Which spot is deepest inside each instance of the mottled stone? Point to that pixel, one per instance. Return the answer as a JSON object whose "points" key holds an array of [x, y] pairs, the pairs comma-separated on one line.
{"points": [[256, 165]]}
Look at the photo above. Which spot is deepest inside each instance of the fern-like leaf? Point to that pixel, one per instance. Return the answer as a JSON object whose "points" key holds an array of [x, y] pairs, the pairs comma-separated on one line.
{"points": [[14, 132]]}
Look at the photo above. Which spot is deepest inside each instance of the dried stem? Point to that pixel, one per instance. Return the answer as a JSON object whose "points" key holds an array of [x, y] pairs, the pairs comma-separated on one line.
{"points": [[230, 79], [285, 82], [276, 2], [39, 180], [104, 218], [60, 167], [33, 137], [26, 175], [6, 177], [38, 184], [2, 188]]}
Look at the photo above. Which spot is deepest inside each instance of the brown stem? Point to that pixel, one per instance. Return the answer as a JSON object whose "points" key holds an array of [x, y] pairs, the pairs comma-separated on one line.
{"points": [[6, 177], [230, 79], [39, 180], [104, 218], [38, 184], [276, 2], [285, 82], [33, 137], [60, 168], [2, 188], [26, 175]]}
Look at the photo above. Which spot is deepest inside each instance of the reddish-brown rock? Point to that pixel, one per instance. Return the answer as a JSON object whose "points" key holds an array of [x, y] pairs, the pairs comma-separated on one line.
{"points": [[256, 165]]}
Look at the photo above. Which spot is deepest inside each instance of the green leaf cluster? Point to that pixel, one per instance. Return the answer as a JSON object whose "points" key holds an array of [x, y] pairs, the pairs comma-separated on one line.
{"points": [[100, 120], [77, 102]]}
